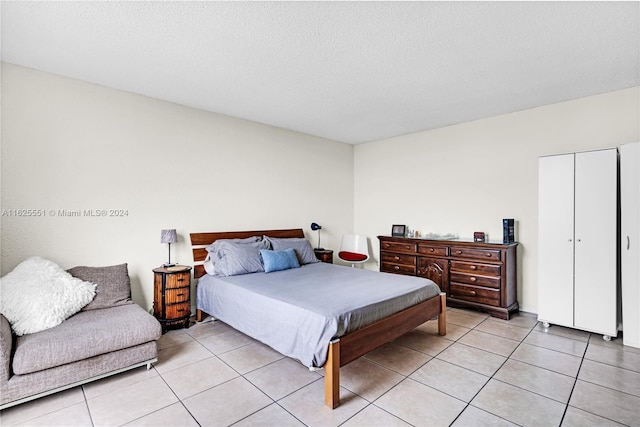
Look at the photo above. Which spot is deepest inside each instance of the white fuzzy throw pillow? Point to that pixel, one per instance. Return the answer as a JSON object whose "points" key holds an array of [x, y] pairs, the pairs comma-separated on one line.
{"points": [[38, 295]]}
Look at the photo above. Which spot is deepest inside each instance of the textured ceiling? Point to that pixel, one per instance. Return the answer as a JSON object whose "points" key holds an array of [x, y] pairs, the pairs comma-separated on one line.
{"points": [[347, 71]]}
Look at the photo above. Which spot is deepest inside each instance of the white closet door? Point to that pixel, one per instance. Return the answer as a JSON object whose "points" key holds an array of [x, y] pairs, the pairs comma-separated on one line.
{"points": [[630, 250], [596, 241], [555, 239]]}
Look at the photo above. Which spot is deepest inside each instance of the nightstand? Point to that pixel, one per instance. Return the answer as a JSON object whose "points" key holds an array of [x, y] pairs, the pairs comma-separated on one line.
{"points": [[324, 255], [172, 295]]}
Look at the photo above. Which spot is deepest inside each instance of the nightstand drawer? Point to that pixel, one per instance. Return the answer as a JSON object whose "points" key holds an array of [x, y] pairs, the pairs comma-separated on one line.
{"points": [[433, 250], [177, 311], [492, 282], [398, 247], [475, 253], [324, 255], [398, 258], [475, 294], [178, 280], [173, 296], [475, 268], [390, 267]]}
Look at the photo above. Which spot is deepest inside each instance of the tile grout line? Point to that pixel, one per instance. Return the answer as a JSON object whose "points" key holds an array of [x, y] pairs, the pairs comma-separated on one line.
{"points": [[491, 377]]}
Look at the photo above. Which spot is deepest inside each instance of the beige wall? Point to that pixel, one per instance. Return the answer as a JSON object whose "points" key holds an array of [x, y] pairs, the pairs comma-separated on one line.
{"points": [[73, 145], [69, 145], [467, 177]]}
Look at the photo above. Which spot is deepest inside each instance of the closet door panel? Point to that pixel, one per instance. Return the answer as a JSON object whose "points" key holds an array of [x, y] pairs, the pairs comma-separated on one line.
{"points": [[596, 241], [555, 243], [630, 243]]}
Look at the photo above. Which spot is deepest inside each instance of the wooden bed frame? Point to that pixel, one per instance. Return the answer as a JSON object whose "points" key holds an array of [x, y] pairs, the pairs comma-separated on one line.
{"points": [[353, 345]]}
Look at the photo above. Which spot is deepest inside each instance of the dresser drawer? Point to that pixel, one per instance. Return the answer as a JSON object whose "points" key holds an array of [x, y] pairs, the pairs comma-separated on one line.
{"points": [[398, 247], [491, 282], [433, 250], [390, 267], [173, 296], [475, 253], [476, 268], [178, 280], [475, 294], [398, 258], [176, 311]]}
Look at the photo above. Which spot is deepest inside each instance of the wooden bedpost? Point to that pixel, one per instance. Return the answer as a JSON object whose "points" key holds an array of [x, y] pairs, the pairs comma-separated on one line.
{"points": [[199, 315], [442, 317], [332, 376]]}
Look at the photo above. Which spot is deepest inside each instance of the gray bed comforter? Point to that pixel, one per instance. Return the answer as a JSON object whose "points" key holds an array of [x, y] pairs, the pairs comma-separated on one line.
{"points": [[299, 311]]}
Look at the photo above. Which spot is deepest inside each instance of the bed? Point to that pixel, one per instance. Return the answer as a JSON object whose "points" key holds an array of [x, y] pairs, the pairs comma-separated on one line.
{"points": [[288, 310]]}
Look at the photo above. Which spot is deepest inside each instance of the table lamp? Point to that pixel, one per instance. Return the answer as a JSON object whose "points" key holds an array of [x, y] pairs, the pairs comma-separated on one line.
{"points": [[168, 236], [317, 227]]}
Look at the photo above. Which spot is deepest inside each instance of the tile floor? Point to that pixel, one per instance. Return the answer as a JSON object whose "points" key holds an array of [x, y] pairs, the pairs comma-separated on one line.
{"points": [[484, 372]]}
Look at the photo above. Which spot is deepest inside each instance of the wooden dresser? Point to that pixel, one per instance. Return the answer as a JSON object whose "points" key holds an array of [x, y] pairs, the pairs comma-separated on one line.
{"points": [[472, 274]]}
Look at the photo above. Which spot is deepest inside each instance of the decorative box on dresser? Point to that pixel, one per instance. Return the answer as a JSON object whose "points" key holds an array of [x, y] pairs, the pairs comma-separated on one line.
{"points": [[172, 295], [472, 274]]}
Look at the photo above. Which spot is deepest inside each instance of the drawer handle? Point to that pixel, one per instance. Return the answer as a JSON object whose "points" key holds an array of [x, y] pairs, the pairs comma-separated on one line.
{"points": [[387, 246], [472, 279], [488, 254], [181, 280], [408, 247], [179, 295], [473, 267], [459, 252], [395, 267], [182, 309], [471, 293], [431, 249], [396, 257]]}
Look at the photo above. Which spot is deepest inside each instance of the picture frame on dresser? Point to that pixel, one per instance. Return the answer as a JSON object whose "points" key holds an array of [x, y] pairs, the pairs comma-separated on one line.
{"points": [[398, 230]]}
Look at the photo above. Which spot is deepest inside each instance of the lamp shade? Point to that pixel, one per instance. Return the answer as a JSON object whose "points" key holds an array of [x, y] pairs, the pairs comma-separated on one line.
{"points": [[168, 236], [315, 226]]}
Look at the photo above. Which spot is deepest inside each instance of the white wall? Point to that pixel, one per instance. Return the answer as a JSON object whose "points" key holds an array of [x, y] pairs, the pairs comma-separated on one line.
{"points": [[70, 145], [467, 177], [73, 145]]}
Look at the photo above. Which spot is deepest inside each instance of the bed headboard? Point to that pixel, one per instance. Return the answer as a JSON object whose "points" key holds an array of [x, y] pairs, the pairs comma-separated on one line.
{"points": [[199, 241]]}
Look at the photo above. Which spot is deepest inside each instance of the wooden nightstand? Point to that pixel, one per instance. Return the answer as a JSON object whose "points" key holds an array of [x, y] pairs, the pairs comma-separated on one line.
{"points": [[324, 255], [172, 295]]}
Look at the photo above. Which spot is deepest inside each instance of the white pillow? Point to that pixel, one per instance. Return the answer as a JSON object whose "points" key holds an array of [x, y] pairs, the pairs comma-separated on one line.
{"points": [[208, 265], [38, 295]]}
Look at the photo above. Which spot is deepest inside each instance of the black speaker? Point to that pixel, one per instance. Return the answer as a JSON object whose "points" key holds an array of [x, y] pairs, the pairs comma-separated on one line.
{"points": [[508, 234]]}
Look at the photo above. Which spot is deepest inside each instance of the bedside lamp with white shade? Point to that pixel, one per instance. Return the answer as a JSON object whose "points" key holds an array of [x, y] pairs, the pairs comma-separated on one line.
{"points": [[169, 236]]}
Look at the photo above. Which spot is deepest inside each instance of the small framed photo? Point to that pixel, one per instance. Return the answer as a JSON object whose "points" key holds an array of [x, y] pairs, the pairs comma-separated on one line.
{"points": [[399, 230]]}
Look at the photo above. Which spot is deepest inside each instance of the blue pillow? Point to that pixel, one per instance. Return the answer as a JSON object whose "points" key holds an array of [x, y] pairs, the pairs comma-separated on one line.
{"points": [[279, 260]]}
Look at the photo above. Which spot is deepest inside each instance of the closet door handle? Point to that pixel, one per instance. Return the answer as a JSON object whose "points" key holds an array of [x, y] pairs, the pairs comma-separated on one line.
{"points": [[628, 242]]}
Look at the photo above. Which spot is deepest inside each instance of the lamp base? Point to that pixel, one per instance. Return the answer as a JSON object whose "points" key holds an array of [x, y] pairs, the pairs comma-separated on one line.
{"points": [[168, 264]]}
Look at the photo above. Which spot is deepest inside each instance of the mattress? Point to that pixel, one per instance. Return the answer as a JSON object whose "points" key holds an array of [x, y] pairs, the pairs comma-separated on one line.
{"points": [[299, 311]]}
